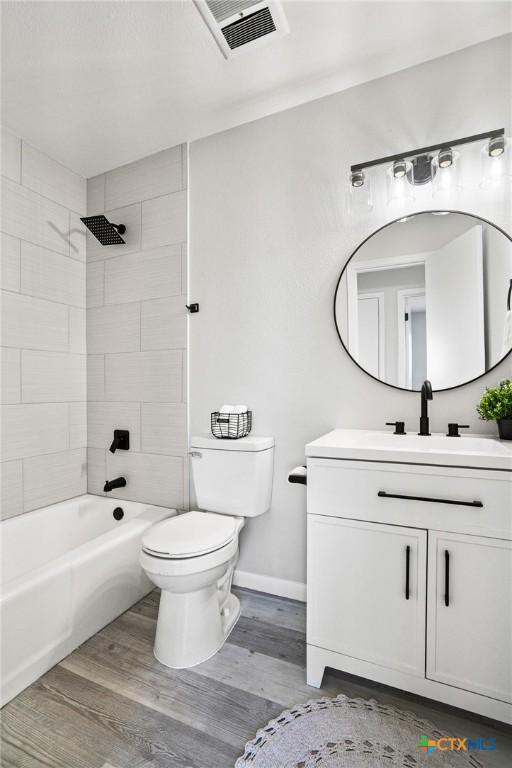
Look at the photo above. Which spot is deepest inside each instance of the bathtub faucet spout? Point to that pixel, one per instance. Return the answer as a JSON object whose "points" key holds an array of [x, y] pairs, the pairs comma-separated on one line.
{"points": [[119, 482]]}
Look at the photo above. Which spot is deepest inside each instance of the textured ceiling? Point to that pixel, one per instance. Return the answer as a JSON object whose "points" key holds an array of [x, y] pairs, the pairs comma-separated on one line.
{"points": [[98, 84]]}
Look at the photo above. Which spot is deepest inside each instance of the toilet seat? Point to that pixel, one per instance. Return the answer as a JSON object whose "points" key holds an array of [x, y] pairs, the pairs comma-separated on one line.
{"points": [[189, 535]]}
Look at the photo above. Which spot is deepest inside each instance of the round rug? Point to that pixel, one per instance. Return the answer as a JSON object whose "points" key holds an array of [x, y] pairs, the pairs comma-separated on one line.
{"points": [[333, 733]]}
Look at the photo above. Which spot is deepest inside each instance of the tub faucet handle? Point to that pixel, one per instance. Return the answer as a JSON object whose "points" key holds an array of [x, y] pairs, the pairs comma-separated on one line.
{"points": [[121, 441]]}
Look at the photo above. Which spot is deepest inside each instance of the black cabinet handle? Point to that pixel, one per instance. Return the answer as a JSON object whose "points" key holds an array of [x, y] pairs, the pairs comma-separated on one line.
{"points": [[386, 495], [407, 565], [446, 578]]}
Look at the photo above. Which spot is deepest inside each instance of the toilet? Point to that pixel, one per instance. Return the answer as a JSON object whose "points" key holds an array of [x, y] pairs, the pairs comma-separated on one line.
{"points": [[192, 556]]}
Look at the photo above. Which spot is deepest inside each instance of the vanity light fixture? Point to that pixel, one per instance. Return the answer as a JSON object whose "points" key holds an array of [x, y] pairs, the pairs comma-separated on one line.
{"points": [[445, 158], [496, 146], [399, 189], [421, 166], [399, 169], [357, 178], [496, 163], [359, 197]]}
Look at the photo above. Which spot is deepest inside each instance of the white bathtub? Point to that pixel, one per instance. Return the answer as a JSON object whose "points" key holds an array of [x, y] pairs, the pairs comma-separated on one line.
{"points": [[67, 571]]}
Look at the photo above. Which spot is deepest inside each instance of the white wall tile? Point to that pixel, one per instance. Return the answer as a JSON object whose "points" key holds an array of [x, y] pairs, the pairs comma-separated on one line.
{"points": [[31, 430], [52, 377], [184, 378], [164, 428], [113, 329], [130, 217], [164, 220], [78, 425], [33, 323], [10, 385], [77, 331], [53, 180], [103, 418], [184, 268], [51, 275], [150, 376], [184, 166], [150, 478], [10, 264], [31, 217], [54, 477], [96, 471], [95, 377], [77, 238], [164, 324], [11, 476], [11, 155], [96, 195], [95, 283], [144, 275], [156, 175]]}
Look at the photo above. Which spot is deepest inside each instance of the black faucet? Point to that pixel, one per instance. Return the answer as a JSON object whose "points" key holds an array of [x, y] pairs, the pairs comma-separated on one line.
{"points": [[119, 482], [426, 395]]}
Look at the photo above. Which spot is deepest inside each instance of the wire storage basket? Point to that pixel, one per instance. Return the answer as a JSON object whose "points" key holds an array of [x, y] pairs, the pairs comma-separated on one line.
{"points": [[231, 426]]}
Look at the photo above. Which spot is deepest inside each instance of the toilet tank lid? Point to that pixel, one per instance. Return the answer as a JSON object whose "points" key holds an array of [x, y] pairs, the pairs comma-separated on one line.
{"points": [[249, 443]]}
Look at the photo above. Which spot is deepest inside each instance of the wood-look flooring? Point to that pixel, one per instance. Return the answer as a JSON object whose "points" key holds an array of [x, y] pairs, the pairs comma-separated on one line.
{"points": [[110, 704]]}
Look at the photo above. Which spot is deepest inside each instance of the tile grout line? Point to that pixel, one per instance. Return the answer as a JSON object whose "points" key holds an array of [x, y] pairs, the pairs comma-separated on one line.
{"points": [[65, 208], [42, 298]]}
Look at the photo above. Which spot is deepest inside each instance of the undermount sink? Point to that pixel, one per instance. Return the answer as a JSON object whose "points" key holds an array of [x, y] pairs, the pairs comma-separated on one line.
{"points": [[477, 451]]}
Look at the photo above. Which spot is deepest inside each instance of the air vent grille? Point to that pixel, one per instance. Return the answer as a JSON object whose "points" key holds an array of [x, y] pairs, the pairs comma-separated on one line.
{"points": [[223, 9], [250, 28]]}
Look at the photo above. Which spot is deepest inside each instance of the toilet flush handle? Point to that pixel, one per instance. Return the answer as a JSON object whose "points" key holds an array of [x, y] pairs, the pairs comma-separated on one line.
{"points": [[195, 455]]}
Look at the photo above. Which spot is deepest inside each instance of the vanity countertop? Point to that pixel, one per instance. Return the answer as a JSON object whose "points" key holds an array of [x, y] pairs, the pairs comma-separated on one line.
{"points": [[478, 451]]}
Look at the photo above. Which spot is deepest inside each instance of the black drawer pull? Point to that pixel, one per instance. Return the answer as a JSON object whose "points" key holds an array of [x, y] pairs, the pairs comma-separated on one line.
{"points": [[446, 578], [386, 495], [407, 565]]}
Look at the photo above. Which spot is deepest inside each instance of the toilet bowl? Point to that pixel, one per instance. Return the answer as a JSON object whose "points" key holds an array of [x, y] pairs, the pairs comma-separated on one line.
{"points": [[192, 563], [192, 557]]}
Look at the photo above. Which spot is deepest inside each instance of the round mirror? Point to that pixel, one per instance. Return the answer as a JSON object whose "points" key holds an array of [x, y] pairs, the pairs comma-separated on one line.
{"points": [[428, 297]]}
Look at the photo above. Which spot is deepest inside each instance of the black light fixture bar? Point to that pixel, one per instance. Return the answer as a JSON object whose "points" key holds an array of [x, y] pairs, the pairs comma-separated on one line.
{"points": [[426, 150]]}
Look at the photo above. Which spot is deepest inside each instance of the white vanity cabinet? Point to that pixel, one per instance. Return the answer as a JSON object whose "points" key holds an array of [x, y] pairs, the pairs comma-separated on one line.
{"points": [[410, 568]]}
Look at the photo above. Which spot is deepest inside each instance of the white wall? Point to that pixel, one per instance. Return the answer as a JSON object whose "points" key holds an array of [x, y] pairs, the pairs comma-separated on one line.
{"points": [[497, 276], [269, 238], [43, 380]]}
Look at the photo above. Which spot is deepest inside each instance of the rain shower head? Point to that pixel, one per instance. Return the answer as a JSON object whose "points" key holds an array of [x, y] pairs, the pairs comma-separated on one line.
{"points": [[104, 231]]}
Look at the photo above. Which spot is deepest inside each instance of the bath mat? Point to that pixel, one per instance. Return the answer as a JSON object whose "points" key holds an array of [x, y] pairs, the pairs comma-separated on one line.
{"points": [[334, 733]]}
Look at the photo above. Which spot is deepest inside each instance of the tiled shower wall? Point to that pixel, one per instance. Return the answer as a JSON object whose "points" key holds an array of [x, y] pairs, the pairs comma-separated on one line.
{"points": [[137, 330], [43, 392]]}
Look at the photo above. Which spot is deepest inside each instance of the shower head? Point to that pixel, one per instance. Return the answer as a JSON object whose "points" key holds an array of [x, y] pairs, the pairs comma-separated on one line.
{"points": [[104, 231]]}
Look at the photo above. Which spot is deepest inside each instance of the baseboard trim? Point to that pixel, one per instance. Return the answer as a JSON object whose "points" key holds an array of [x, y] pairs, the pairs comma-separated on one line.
{"points": [[294, 590]]}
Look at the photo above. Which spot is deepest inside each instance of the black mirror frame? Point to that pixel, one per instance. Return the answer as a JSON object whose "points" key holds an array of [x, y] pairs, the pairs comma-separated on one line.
{"points": [[384, 226]]}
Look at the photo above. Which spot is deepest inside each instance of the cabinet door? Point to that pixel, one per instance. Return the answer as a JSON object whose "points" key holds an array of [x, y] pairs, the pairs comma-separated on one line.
{"points": [[469, 639], [361, 602]]}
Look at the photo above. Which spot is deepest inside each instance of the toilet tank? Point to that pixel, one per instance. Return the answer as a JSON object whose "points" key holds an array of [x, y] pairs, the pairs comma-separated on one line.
{"points": [[232, 477]]}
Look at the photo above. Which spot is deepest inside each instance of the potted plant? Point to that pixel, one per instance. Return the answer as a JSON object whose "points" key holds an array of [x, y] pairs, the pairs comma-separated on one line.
{"points": [[496, 404]]}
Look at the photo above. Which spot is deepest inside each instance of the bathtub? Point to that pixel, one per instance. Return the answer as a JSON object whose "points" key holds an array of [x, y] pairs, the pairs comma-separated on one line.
{"points": [[67, 571]]}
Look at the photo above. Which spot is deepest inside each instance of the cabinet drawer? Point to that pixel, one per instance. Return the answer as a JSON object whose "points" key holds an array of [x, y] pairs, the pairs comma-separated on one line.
{"points": [[350, 489]]}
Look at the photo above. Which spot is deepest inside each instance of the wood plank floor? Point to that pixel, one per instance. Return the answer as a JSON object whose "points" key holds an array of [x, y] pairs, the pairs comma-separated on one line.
{"points": [[110, 704]]}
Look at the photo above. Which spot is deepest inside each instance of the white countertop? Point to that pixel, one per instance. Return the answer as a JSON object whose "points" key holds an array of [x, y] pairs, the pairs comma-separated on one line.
{"points": [[478, 451]]}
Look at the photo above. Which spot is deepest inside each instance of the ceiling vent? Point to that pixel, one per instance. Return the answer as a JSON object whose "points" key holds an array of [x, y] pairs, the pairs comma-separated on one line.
{"points": [[235, 24]]}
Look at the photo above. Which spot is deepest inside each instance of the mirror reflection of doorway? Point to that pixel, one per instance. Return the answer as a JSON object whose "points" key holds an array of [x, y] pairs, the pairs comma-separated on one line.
{"points": [[381, 287], [412, 338], [371, 333]]}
